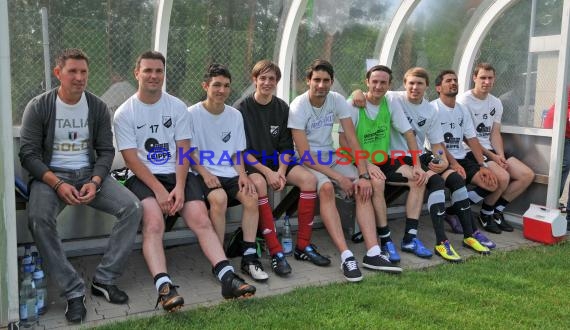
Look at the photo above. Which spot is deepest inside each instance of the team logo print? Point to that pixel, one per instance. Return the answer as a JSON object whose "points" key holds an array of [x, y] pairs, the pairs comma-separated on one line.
{"points": [[72, 135], [447, 137], [493, 112], [150, 143], [480, 127], [421, 122], [226, 136], [274, 130], [167, 121]]}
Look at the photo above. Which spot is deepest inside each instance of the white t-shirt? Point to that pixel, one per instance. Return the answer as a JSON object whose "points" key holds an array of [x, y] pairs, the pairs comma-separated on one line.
{"points": [[71, 139], [423, 119], [483, 113], [398, 119], [456, 124], [318, 122], [153, 130], [217, 138]]}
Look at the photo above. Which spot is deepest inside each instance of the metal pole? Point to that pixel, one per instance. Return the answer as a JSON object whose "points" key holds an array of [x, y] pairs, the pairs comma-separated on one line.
{"points": [[528, 114], [45, 43]]}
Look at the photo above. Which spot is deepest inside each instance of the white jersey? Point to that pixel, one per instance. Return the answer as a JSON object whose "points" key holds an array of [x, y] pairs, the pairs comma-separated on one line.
{"points": [[153, 130], [217, 138], [71, 136], [456, 124], [483, 113], [318, 122], [398, 119], [423, 119]]}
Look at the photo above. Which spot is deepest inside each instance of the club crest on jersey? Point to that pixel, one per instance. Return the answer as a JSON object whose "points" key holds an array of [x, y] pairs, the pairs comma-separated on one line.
{"points": [[493, 112], [274, 130], [72, 135], [421, 121], [167, 121], [226, 136]]}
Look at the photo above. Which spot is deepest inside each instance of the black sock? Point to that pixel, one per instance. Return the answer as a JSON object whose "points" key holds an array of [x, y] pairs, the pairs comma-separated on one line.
{"points": [[159, 275], [437, 212], [384, 234], [487, 209], [411, 230], [501, 204]]}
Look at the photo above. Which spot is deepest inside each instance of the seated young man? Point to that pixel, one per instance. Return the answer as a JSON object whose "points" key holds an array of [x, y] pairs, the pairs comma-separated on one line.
{"points": [[311, 119], [457, 127], [374, 122], [269, 151], [151, 127], [219, 138], [514, 176]]}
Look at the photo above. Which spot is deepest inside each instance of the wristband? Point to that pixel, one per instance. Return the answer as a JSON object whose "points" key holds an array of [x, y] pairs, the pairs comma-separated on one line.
{"points": [[58, 184], [97, 186]]}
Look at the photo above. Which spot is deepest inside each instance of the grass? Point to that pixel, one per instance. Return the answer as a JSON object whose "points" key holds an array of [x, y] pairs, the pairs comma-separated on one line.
{"points": [[523, 289]]}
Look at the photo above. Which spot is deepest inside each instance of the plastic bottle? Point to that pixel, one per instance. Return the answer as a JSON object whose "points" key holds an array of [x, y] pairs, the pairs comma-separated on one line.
{"points": [[286, 239], [41, 287], [28, 313], [27, 259], [436, 158]]}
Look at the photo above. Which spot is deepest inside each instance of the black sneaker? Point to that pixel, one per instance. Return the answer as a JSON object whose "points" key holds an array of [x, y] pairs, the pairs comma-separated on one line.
{"points": [[280, 265], [380, 262], [488, 223], [501, 223], [351, 271], [75, 311], [311, 254], [169, 298], [234, 286], [111, 292]]}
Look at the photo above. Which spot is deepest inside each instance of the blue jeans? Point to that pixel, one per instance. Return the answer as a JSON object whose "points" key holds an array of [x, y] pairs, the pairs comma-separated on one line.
{"points": [[114, 199]]}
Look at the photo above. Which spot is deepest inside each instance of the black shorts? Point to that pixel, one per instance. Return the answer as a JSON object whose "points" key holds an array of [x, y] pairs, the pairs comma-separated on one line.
{"points": [[470, 156], [391, 166], [193, 190], [250, 169], [230, 186], [471, 168]]}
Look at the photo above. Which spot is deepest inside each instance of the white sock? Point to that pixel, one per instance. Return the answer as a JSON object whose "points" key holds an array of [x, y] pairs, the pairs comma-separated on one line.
{"points": [[345, 255], [161, 281], [374, 251]]}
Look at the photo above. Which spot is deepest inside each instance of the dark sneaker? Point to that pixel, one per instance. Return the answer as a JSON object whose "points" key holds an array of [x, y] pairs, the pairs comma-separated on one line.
{"points": [[75, 311], [500, 220], [488, 223], [311, 254], [111, 292], [389, 250], [169, 298], [251, 266], [234, 286], [280, 265], [454, 223], [380, 262], [351, 271]]}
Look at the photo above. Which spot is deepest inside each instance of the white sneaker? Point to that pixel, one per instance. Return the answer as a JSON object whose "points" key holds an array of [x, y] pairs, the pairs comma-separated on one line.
{"points": [[253, 268]]}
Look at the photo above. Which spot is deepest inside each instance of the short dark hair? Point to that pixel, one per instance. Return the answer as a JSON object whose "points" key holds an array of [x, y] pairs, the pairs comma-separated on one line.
{"points": [[417, 72], [439, 78], [150, 55], [379, 68], [264, 66], [216, 69], [71, 53], [320, 65], [483, 66]]}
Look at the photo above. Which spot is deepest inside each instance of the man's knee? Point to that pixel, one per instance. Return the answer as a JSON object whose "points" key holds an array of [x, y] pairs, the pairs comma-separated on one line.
{"points": [[218, 199], [258, 180], [327, 191], [378, 186]]}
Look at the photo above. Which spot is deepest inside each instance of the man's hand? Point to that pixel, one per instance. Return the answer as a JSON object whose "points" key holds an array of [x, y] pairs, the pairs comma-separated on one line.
{"points": [[500, 160], [358, 98], [275, 180], [439, 167], [211, 181], [346, 185], [459, 169], [375, 172], [68, 194], [87, 192], [363, 190], [164, 200], [419, 175], [177, 198], [246, 185], [488, 177]]}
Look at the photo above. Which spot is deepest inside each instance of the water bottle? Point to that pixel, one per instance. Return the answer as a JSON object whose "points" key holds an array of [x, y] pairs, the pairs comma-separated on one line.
{"points": [[41, 287], [286, 239], [28, 312], [27, 259], [436, 158]]}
